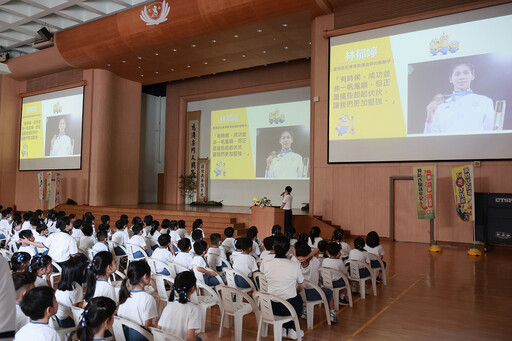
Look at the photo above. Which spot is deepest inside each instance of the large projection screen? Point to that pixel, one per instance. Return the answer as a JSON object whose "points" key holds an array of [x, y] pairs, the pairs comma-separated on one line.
{"points": [[51, 130], [431, 90]]}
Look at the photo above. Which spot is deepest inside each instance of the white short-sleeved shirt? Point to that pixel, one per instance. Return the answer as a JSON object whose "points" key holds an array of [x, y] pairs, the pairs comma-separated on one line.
{"points": [[355, 254], [28, 249], [105, 289], [51, 226], [26, 225], [21, 318], [311, 272], [154, 237], [138, 308], [39, 331], [377, 251], [120, 238], [60, 246], [185, 259], [77, 233], [265, 257], [315, 244], [138, 240], [87, 242], [100, 246], [67, 299], [283, 275], [287, 201], [345, 247], [230, 243], [5, 227], [175, 236], [40, 238], [178, 318], [198, 261], [245, 264], [182, 233], [162, 254], [256, 249], [336, 264], [41, 281]]}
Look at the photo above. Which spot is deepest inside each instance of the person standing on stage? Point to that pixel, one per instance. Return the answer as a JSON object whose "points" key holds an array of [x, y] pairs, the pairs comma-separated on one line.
{"points": [[287, 206]]}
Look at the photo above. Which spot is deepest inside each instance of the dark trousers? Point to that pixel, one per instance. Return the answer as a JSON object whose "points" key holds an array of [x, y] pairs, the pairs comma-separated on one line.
{"points": [[280, 310], [287, 218]]}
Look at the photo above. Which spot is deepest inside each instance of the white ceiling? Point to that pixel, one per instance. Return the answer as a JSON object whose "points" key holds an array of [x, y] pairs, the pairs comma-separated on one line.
{"points": [[21, 19]]}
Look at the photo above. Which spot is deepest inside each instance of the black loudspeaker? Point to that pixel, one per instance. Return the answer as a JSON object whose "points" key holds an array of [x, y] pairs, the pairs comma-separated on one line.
{"points": [[45, 34], [71, 202]]}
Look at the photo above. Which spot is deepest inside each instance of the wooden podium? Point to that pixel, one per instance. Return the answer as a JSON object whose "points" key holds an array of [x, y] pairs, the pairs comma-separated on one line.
{"points": [[266, 217]]}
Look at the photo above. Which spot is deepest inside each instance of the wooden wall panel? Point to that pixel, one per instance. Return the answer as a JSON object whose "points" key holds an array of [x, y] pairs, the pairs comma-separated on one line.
{"points": [[407, 226]]}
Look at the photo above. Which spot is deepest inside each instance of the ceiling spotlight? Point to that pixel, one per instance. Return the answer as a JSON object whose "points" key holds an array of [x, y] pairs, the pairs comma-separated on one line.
{"points": [[259, 30], [193, 45], [142, 75], [172, 70], [214, 41], [124, 61], [174, 50], [309, 43], [139, 57], [236, 36], [156, 72], [224, 59], [285, 25], [263, 51], [205, 63], [286, 47], [140, 67], [108, 64], [45, 34], [188, 66], [156, 53], [243, 56]]}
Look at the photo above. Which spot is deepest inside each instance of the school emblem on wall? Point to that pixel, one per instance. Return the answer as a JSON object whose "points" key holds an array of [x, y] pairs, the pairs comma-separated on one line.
{"points": [[155, 13]]}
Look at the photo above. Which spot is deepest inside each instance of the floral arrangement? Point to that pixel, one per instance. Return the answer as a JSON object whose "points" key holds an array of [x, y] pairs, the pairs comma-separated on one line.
{"points": [[261, 202]]}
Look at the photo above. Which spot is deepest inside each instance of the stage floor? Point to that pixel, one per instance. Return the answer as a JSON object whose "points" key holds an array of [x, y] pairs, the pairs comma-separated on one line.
{"points": [[216, 209]]}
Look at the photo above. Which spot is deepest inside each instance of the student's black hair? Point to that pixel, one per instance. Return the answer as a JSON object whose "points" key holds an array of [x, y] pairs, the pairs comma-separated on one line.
{"points": [[22, 279], [289, 232], [136, 220], [372, 239], [215, 239], [105, 219], [87, 229], [229, 232], [337, 235], [61, 214], [19, 258], [41, 227], [136, 229], [183, 282], [62, 223], [102, 235], [269, 243], [288, 188], [184, 244], [276, 229], [26, 234], [16, 220], [164, 239], [281, 246], [136, 270], [88, 216], [166, 223], [333, 249], [77, 224], [196, 235], [199, 247], [34, 221], [359, 243], [154, 227], [98, 267], [181, 224], [5, 213], [237, 243], [251, 234], [72, 271], [36, 301], [302, 250], [148, 219], [124, 218], [173, 225], [104, 227], [51, 215], [38, 262], [322, 245], [38, 212], [253, 228], [314, 233], [120, 224], [244, 243], [98, 310], [197, 223], [27, 216], [72, 216], [302, 237]]}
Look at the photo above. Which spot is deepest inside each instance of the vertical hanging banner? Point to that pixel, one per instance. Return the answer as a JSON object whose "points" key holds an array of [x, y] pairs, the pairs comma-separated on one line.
{"points": [[462, 178], [48, 185], [202, 180], [425, 191], [40, 182], [193, 122], [57, 188]]}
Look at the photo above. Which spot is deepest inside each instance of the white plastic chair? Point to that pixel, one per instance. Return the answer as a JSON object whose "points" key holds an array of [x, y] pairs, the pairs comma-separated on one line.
{"points": [[211, 260], [178, 268], [310, 305], [55, 274], [120, 257], [132, 249], [261, 281], [230, 276], [6, 254], [207, 298], [236, 308], [61, 331], [119, 322], [326, 275], [266, 316], [200, 277], [163, 294], [354, 267], [160, 335], [77, 314], [91, 253], [154, 263], [382, 268]]}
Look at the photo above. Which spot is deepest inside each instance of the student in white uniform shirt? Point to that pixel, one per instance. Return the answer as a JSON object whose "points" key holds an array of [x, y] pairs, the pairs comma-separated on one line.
{"points": [[138, 239], [175, 236], [69, 292], [184, 257], [88, 240], [39, 304], [31, 250], [7, 299], [23, 282], [102, 243], [120, 237], [181, 317], [217, 252], [163, 254], [314, 237], [135, 304], [373, 246], [40, 237], [337, 236], [182, 231], [198, 225], [229, 242], [244, 263], [5, 226], [256, 251], [77, 230], [26, 221], [98, 271], [335, 262], [286, 205], [156, 231], [210, 277], [41, 267], [283, 276], [97, 319], [20, 261], [269, 253], [360, 254], [51, 222]]}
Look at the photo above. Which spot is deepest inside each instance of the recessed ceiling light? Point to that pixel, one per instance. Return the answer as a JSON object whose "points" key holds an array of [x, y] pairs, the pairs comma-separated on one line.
{"points": [[156, 72], [174, 50], [243, 56], [108, 64], [205, 63], [139, 57], [263, 51], [223, 59], [142, 75], [188, 66], [172, 69], [156, 53], [193, 45], [124, 61], [214, 41], [309, 43], [259, 30], [285, 25], [286, 47], [236, 36], [140, 67]]}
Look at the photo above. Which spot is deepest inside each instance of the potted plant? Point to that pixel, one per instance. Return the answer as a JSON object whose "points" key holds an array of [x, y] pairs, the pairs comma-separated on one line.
{"points": [[187, 187]]}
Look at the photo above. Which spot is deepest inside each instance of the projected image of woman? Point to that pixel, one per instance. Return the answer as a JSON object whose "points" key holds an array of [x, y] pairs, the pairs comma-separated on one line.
{"points": [[61, 143], [284, 164], [462, 111]]}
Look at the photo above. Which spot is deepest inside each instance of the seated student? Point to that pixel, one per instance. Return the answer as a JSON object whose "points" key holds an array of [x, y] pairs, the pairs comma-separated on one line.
{"points": [[198, 225], [283, 276], [277, 230], [335, 262], [310, 271], [23, 282], [175, 236], [97, 319], [51, 221], [217, 252], [39, 304], [373, 246], [289, 233], [14, 233], [155, 233], [244, 263], [229, 242], [26, 220], [181, 229], [88, 240], [138, 239], [360, 254], [120, 237], [268, 253], [41, 267], [256, 251], [99, 270], [254, 229], [135, 304], [77, 230], [20, 261], [196, 236], [147, 225], [183, 257], [5, 226], [40, 237], [314, 237], [105, 219], [31, 250], [181, 317], [136, 221], [209, 276], [162, 253], [322, 251], [102, 244], [69, 292], [237, 252], [337, 236], [34, 222]]}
